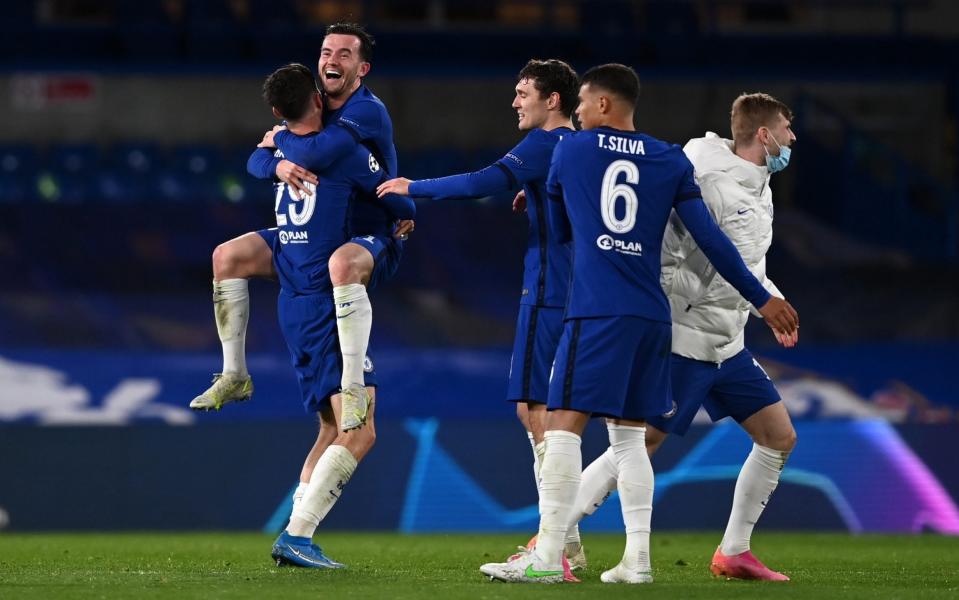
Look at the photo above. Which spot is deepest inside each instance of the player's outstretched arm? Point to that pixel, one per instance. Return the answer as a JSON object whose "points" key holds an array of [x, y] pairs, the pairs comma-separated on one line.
{"points": [[723, 255], [485, 182], [526, 162]]}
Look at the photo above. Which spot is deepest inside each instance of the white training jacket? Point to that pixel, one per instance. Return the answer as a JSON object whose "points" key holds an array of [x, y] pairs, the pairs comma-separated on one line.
{"points": [[708, 313]]}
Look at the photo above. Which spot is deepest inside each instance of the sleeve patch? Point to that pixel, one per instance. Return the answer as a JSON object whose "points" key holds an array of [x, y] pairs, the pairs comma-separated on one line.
{"points": [[514, 158], [349, 122]]}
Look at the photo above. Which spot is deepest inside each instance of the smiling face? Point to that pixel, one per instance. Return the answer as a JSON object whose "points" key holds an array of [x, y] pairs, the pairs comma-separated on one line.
{"points": [[532, 109], [341, 65]]}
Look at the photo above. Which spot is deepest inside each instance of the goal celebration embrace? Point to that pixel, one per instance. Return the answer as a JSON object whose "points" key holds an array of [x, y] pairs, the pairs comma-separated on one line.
{"points": [[636, 288]]}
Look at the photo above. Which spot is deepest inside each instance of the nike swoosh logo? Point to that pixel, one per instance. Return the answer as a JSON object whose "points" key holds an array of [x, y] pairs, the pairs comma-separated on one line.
{"points": [[309, 559], [743, 211], [533, 573], [344, 316]]}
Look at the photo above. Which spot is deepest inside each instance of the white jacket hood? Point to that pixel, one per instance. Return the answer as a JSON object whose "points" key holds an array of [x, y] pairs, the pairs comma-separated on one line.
{"points": [[713, 153]]}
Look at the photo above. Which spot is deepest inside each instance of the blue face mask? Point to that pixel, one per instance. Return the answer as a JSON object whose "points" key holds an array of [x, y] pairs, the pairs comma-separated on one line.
{"points": [[776, 164]]}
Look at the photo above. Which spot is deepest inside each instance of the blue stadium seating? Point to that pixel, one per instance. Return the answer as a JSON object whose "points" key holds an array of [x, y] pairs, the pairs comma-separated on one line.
{"points": [[140, 171], [920, 215], [71, 173], [197, 170], [18, 167], [128, 172]]}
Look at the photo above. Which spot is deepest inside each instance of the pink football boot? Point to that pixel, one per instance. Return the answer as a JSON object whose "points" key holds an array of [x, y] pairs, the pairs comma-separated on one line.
{"points": [[568, 576], [743, 566]]}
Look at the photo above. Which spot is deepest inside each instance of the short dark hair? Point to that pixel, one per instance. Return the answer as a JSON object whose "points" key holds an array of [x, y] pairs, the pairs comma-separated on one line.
{"points": [[289, 89], [616, 78], [550, 76], [355, 29], [752, 111]]}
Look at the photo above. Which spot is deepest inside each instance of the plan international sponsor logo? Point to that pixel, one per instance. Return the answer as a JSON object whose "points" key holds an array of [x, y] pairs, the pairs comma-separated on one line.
{"points": [[294, 237], [607, 242]]}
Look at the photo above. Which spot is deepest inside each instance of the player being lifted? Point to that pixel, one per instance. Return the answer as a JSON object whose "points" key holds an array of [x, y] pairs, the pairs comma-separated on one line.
{"points": [[354, 117], [309, 231], [710, 365], [611, 191], [544, 102]]}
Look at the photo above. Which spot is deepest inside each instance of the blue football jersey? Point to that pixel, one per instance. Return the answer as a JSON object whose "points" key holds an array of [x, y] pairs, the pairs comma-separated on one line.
{"points": [[546, 264], [617, 188], [366, 118], [311, 229]]}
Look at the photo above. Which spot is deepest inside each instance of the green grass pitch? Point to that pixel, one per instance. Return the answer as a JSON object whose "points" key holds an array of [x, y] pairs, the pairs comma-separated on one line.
{"points": [[387, 565]]}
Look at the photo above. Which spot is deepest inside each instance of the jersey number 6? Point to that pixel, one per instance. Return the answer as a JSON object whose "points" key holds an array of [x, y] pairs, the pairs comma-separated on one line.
{"points": [[613, 191]]}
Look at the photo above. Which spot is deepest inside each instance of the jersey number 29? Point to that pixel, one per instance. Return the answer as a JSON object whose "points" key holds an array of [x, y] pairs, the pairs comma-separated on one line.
{"points": [[299, 216], [612, 191]]}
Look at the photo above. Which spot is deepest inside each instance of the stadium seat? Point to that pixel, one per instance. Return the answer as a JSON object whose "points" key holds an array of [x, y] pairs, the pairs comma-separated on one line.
{"points": [[199, 159], [71, 173], [18, 168], [115, 186], [194, 174], [137, 157], [128, 174], [74, 159]]}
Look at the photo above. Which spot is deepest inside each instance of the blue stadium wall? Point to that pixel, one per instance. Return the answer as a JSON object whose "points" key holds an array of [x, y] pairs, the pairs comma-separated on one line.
{"points": [[102, 441]]}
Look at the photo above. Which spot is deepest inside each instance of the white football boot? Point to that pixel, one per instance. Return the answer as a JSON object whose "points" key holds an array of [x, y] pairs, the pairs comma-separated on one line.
{"points": [[621, 574], [355, 406], [524, 567], [226, 388]]}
